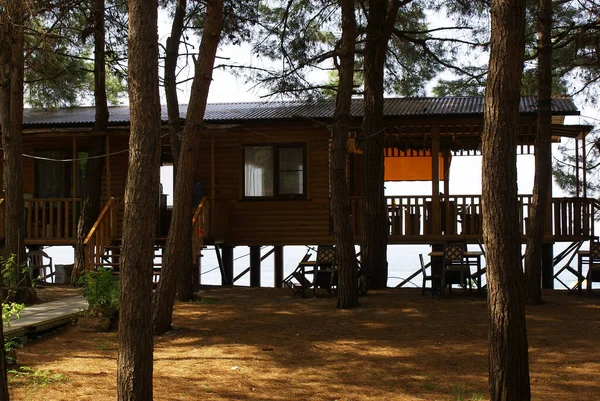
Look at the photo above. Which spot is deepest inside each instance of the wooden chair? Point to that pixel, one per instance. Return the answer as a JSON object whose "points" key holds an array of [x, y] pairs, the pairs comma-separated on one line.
{"points": [[326, 269], [297, 280], [38, 268], [456, 269], [593, 274], [434, 278]]}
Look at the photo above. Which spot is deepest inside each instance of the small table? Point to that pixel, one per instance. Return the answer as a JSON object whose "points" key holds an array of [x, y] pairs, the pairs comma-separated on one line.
{"points": [[473, 258]]}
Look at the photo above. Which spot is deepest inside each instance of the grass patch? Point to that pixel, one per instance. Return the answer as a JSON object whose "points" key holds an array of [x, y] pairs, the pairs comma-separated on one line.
{"points": [[207, 301], [461, 393], [428, 383], [27, 376]]}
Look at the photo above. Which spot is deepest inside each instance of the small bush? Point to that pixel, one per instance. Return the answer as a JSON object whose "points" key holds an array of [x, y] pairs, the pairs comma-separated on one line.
{"points": [[100, 288]]}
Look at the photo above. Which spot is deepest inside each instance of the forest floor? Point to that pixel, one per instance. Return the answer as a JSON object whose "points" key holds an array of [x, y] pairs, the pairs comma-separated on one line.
{"points": [[265, 344]]}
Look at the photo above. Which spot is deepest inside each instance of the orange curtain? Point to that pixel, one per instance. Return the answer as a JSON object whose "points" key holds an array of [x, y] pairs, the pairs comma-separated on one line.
{"points": [[417, 168]]}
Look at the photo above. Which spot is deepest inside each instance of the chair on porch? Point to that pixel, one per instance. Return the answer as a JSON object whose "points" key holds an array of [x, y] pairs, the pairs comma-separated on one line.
{"points": [[456, 268], [326, 269], [593, 274], [39, 269], [434, 278]]}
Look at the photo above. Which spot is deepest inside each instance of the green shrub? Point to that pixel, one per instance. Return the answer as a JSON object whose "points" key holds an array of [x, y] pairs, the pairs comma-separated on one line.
{"points": [[13, 277], [100, 288]]}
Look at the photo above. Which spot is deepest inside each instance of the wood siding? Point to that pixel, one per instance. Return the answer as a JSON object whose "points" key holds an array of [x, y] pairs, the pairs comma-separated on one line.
{"points": [[273, 222]]}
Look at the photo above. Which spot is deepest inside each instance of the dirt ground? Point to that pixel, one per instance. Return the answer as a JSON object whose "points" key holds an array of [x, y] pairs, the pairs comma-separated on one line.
{"points": [[265, 344]]}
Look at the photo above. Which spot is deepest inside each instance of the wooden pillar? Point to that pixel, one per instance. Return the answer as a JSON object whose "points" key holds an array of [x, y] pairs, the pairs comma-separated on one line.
{"points": [[212, 183], [197, 261], [548, 265], [108, 177], [450, 223], [278, 263], [447, 160], [255, 266], [548, 247], [435, 180], [227, 256], [577, 167], [74, 168], [584, 169]]}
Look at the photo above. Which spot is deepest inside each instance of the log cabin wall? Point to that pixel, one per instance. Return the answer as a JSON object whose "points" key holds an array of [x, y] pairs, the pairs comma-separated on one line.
{"points": [[273, 221]]}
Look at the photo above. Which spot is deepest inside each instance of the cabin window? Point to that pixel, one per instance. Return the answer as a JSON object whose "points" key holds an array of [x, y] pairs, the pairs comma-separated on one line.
{"points": [[274, 171], [54, 178]]}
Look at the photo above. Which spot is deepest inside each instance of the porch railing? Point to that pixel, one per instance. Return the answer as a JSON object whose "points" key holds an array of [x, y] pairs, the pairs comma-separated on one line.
{"points": [[462, 215], [51, 218], [101, 235]]}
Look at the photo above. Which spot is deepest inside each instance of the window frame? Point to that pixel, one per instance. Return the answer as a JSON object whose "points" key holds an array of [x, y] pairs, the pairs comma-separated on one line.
{"points": [[276, 171]]}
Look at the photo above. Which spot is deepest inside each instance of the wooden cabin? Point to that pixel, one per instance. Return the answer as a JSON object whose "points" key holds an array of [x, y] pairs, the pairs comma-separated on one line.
{"points": [[262, 176]]}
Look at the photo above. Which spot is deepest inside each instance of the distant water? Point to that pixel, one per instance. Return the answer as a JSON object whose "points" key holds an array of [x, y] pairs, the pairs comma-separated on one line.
{"points": [[403, 261]]}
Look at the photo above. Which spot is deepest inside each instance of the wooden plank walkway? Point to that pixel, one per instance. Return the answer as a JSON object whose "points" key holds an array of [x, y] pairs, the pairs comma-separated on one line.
{"points": [[45, 316]]}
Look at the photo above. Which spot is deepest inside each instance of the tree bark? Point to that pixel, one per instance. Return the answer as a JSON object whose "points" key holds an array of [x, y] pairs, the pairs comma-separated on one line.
{"points": [[134, 362], [170, 77], [92, 193], [380, 23], [543, 163], [508, 359], [347, 296], [12, 68], [177, 260], [11, 122]]}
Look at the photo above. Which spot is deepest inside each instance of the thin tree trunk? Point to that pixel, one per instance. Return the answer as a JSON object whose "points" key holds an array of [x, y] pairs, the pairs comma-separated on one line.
{"points": [[543, 165], [11, 122], [90, 205], [508, 358], [172, 53], [380, 22], [177, 260], [340, 193], [134, 362]]}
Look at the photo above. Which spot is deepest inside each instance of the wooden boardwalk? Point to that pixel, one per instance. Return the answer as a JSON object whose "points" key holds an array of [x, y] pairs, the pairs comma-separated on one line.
{"points": [[45, 316]]}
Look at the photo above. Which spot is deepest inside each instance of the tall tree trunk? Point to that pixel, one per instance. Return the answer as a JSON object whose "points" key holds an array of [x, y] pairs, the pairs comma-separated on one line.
{"points": [[92, 193], [12, 67], [134, 362], [177, 260], [340, 193], [543, 165], [170, 77], [508, 359], [380, 22], [11, 122]]}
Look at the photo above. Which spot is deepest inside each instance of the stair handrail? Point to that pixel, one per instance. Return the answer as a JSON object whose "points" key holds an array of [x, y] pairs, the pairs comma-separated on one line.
{"points": [[99, 237], [200, 226]]}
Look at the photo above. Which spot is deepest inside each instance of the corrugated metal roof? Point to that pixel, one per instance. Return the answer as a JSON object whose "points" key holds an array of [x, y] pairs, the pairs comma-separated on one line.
{"points": [[287, 110]]}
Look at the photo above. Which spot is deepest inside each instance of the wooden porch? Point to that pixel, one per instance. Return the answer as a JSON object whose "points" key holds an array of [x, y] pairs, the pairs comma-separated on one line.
{"points": [[413, 219]]}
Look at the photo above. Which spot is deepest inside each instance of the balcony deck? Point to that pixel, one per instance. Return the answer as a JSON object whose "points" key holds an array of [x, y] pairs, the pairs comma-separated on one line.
{"points": [[411, 219], [54, 221]]}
